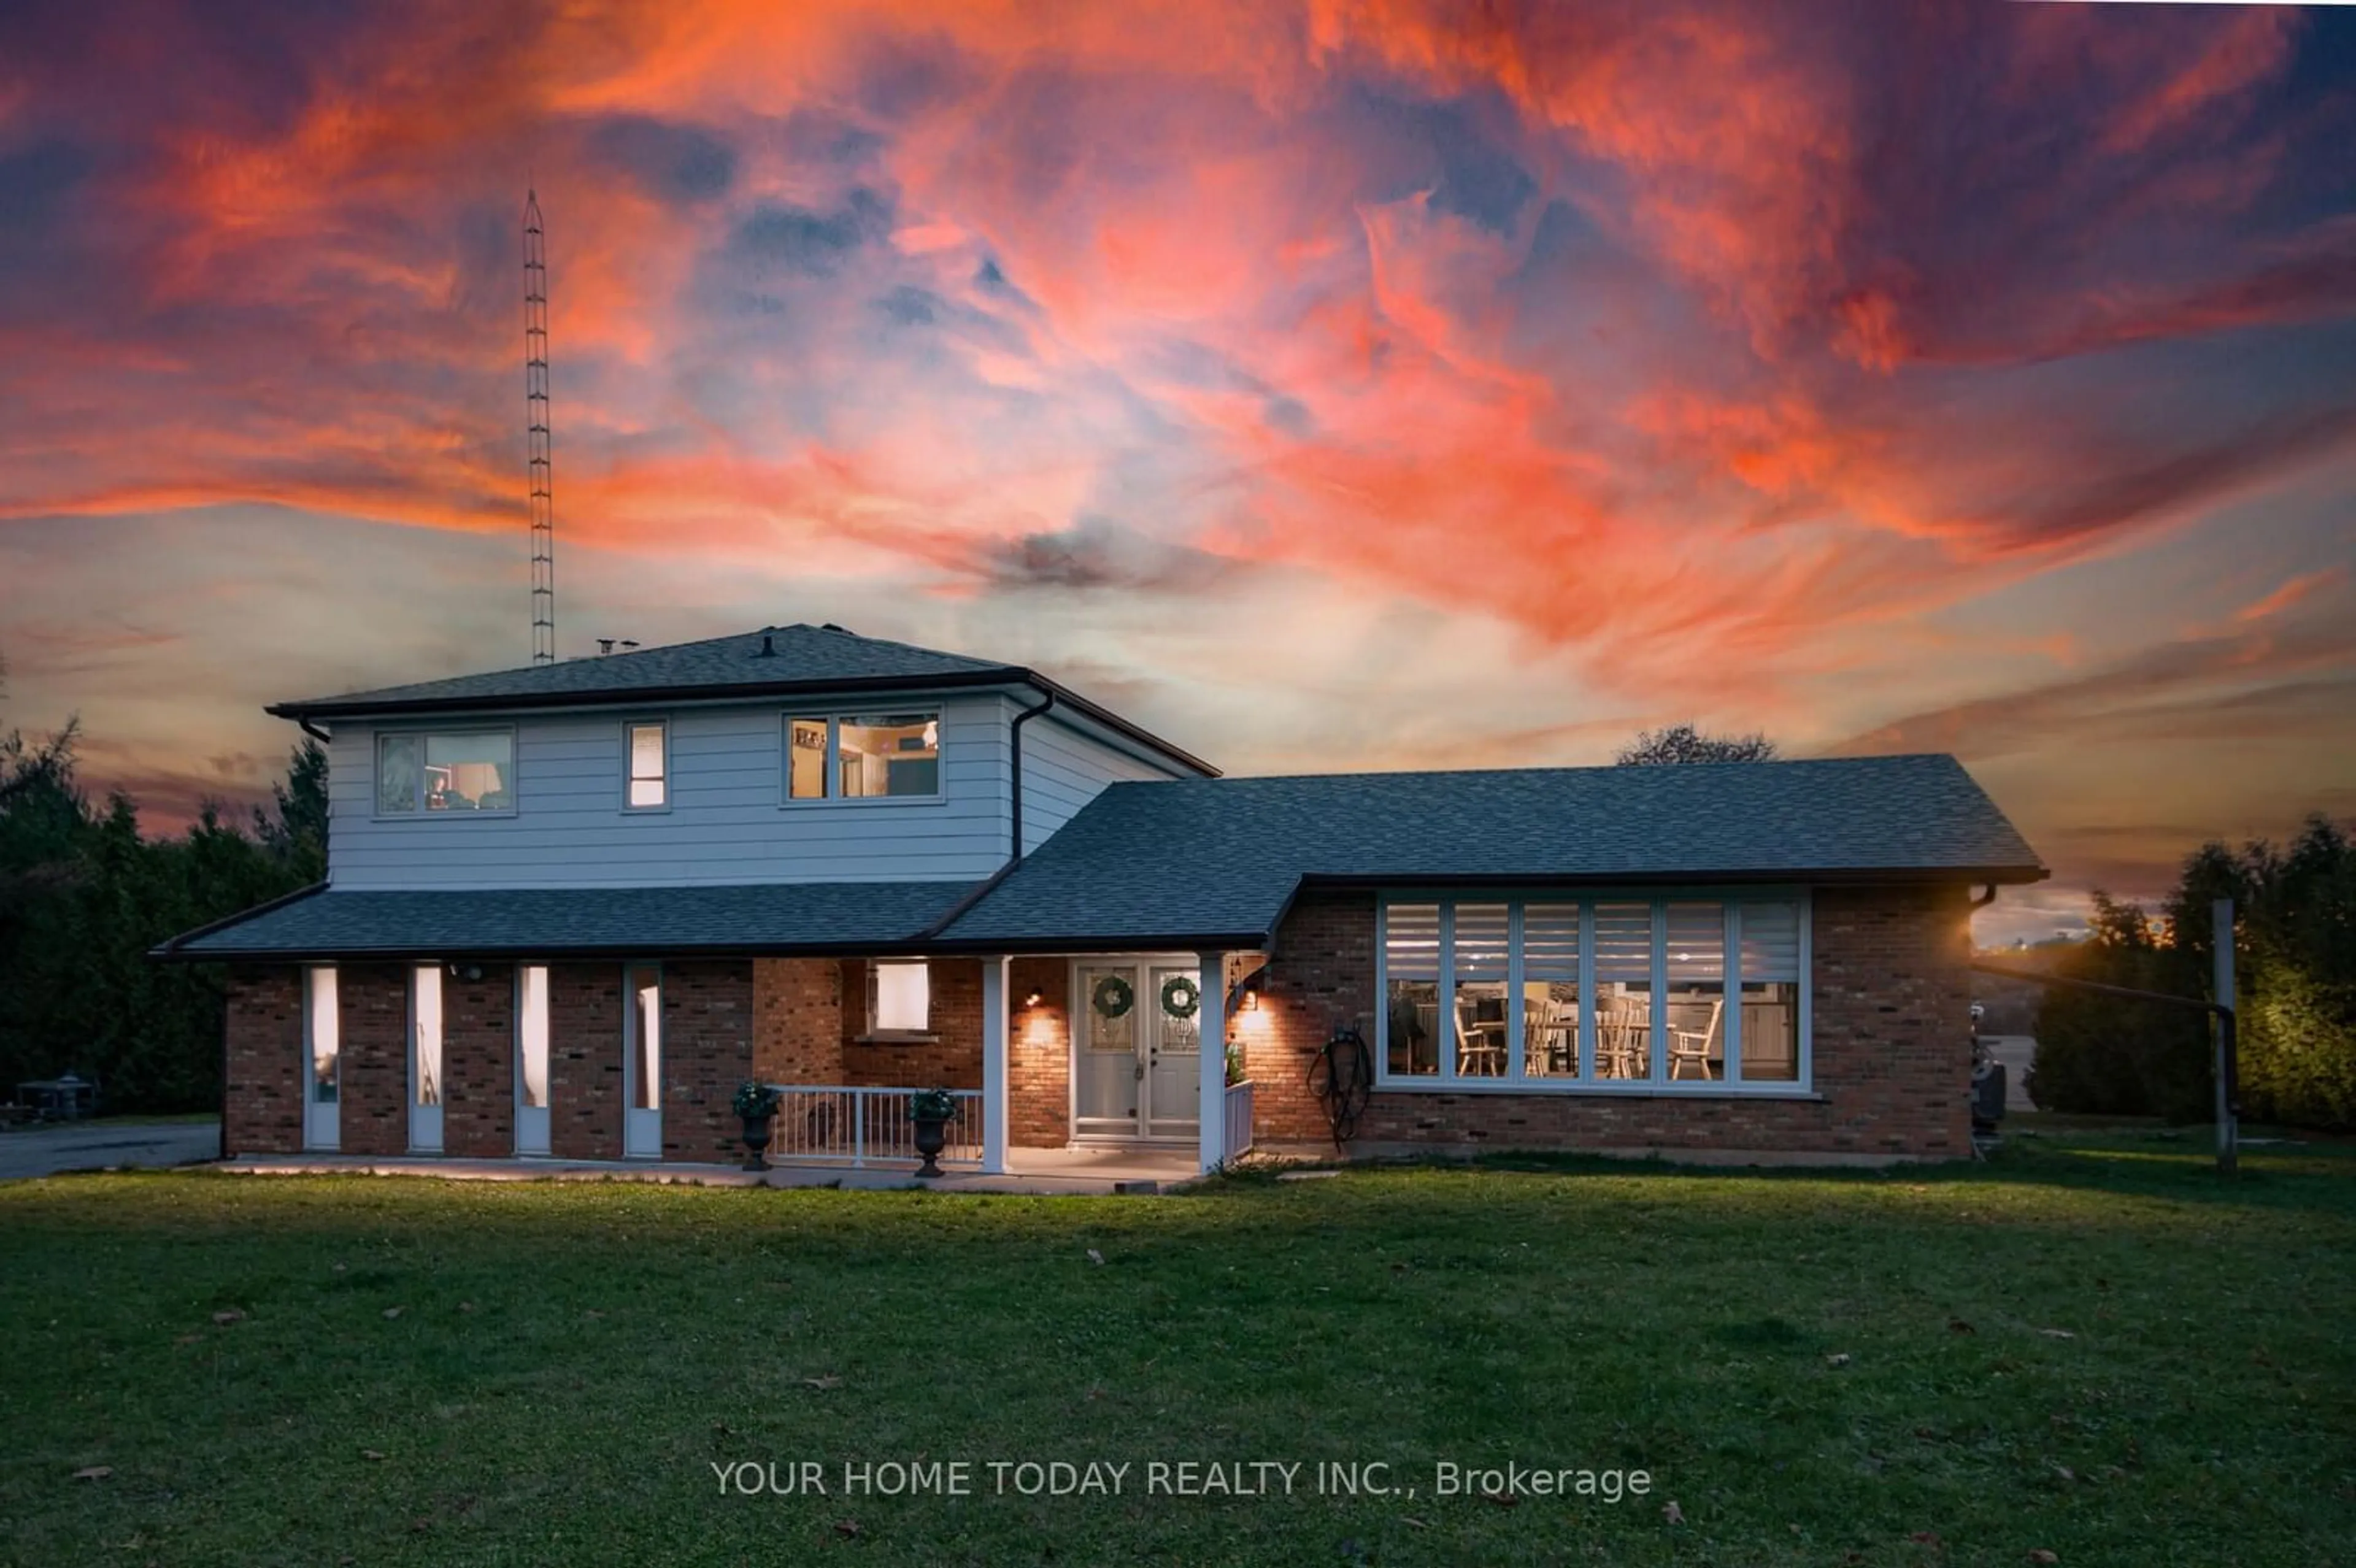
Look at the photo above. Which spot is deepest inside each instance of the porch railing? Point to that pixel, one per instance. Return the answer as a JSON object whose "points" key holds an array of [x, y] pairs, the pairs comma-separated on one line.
{"points": [[1239, 1119], [863, 1126]]}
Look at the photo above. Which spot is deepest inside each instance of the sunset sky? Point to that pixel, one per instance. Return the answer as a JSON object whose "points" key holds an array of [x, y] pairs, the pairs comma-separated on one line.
{"points": [[1337, 386]]}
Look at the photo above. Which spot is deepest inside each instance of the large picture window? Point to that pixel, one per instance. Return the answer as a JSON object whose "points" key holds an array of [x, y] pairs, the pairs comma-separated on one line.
{"points": [[461, 771], [863, 756], [1681, 993]]}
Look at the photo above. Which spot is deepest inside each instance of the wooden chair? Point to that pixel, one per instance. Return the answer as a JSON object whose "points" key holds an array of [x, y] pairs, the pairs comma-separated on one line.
{"points": [[1690, 1048], [1624, 1037]]}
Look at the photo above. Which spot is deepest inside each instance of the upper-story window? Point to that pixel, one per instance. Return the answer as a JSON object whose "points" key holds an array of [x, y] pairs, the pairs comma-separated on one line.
{"points": [[647, 744], [863, 756], [465, 770]]}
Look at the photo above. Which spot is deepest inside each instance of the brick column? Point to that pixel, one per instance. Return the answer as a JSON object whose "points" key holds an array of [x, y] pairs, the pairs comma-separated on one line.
{"points": [[584, 1061], [262, 1097], [374, 1001], [707, 1050], [479, 1063]]}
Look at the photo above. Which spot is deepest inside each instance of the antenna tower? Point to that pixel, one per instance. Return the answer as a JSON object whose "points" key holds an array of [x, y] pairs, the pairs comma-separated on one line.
{"points": [[535, 391]]}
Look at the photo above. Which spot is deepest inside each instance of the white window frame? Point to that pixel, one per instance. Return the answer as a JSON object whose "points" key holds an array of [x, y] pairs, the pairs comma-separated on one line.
{"points": [[420, 733], [1517, 1080], [832, 771], [874, 983], [629, 763]]}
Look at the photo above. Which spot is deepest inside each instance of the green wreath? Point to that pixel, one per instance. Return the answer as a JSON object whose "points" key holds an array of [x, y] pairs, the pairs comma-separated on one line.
{"points": [[1114, 997], [1181, 996]]}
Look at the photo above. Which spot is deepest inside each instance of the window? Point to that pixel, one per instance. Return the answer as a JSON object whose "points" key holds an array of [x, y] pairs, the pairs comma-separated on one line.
{"points": [[1696, 1000], [532, 1037], [649, 756], [1550, 990], [327, 1035], [1483, 1034], [464, 771], [1411, 977], [1770, 1021], [645, 1039], [899, 997], [864, 756], [425, 1023], [1663, 994]]}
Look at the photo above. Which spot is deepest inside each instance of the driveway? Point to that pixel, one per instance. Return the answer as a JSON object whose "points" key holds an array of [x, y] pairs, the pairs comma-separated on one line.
{"points": [[2016, 1051], [45, 1151]]}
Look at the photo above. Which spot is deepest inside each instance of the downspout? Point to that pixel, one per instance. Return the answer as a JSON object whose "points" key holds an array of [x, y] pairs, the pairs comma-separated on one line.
{"points": [[1986, 899], [315, 732], [1014, 858], [982, 889]]}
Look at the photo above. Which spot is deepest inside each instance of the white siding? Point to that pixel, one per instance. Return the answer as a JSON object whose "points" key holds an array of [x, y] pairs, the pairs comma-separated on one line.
{"points": [[1063, 768], [725, 823]]}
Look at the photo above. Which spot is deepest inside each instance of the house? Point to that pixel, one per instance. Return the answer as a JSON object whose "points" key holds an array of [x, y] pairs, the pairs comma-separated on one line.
{"points": [[570, 907]]}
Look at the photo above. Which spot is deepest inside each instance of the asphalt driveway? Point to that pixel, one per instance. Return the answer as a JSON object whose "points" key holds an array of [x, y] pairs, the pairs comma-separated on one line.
{"points": [[45, 1151]]}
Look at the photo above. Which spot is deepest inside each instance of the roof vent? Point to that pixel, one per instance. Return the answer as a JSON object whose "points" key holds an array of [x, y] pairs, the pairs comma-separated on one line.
{"points": [[830, 626], [768, 648]]}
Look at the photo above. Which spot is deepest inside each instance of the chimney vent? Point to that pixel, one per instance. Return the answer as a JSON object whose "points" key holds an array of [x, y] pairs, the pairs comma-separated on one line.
{"points": [[768, 648]]}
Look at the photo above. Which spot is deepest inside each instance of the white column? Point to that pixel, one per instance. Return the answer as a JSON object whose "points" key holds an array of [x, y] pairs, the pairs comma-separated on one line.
{"points": [[994, 1023], [1212, 1017]]}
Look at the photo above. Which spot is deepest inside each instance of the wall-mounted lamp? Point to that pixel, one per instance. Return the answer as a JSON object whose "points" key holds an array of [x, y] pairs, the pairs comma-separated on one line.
{"points": [[467, 971], [1251, 1001], [1032, 1000]]}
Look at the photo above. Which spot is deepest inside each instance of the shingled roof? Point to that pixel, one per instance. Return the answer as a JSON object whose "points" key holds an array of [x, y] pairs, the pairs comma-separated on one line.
{"points": [[804, 917], [1215, 862], [775, 661]]}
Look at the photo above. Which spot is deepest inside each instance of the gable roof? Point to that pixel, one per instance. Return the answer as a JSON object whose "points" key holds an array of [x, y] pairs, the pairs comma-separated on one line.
{"points": [[1215, 863], [774, 661]]}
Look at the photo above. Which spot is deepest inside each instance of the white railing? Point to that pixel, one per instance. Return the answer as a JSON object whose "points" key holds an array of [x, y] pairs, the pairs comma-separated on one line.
{"points": [[1239, 1119], [828, 1124]]}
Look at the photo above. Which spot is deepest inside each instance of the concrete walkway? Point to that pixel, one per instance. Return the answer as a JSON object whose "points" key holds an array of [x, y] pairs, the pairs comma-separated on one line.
{"points": [[94, 1146], [1078, 1172]]}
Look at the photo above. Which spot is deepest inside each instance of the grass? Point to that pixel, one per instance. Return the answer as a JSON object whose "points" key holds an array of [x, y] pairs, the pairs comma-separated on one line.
{"points": [[2088, 1347]]}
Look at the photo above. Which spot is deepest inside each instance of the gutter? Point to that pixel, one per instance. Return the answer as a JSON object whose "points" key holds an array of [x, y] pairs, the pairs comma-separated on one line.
{"points": [[983, 888], [169, 950]]}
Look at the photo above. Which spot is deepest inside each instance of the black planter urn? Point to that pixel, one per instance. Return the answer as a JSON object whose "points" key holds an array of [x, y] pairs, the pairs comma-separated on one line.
{"points": [[932, 1137], [756, 1141]]}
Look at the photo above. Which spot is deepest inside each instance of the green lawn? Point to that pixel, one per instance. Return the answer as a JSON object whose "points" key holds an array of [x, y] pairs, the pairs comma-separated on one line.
{"points": [[2090, 1347]]}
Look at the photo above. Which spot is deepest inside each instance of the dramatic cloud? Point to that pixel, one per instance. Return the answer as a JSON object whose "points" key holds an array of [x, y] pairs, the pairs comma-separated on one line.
{"points": [[1347, 383]]}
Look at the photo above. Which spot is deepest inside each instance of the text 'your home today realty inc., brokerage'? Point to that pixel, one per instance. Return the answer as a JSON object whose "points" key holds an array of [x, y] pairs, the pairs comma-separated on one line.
{"points": [[1172, 1478]]}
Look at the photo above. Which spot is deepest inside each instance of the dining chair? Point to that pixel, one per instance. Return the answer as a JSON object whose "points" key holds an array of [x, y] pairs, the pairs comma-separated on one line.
{"points": [[1690, 1048]]}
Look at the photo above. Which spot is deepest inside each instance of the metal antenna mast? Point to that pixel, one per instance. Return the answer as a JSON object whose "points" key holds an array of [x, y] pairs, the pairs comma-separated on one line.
{"points": [[535, 391]]}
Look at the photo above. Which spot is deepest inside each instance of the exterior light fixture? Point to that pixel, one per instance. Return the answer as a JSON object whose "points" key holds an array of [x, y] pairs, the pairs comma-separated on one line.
{"points": [[1032, 1000], [1251, 1001]]}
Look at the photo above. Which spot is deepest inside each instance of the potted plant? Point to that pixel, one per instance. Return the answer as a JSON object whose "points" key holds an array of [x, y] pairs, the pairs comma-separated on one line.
{"points": [[1235, 1064], [929, 1111], [756, 1103]]}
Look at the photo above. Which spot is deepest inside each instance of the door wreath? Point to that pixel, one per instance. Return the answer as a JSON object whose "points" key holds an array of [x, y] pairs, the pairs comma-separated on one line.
{"points": [[1113, 997], [1181, 996]]}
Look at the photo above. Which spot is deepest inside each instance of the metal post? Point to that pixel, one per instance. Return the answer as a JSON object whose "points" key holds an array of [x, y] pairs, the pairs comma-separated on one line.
{"points": [[2221, 941]]}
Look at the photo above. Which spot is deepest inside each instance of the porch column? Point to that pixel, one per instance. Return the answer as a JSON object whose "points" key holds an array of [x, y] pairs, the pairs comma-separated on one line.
{"points": [[1212, 1018], [994, 1020]]}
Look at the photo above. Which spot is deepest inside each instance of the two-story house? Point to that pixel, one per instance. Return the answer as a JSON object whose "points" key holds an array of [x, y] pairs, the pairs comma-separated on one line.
{"points": [[572, 907]]}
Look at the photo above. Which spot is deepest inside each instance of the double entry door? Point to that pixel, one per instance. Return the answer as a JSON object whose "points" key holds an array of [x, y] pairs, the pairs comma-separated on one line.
{"points": [[1138, 1050]]}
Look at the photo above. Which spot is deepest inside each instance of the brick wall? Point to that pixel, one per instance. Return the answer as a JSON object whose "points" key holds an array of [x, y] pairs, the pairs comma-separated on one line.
{"points": [[1891, 1046], [798, 1020], [262, 1102], [479, 1063], [584, 1061], [707, 1045], [1039, 1051]]}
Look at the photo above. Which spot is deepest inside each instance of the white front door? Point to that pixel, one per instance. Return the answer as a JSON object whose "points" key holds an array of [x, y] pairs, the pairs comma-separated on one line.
{"points": [[642, 1063], [1136, 1051], [531, 1060], [323, 1045], [1174, 1063], [426, 1059]]}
